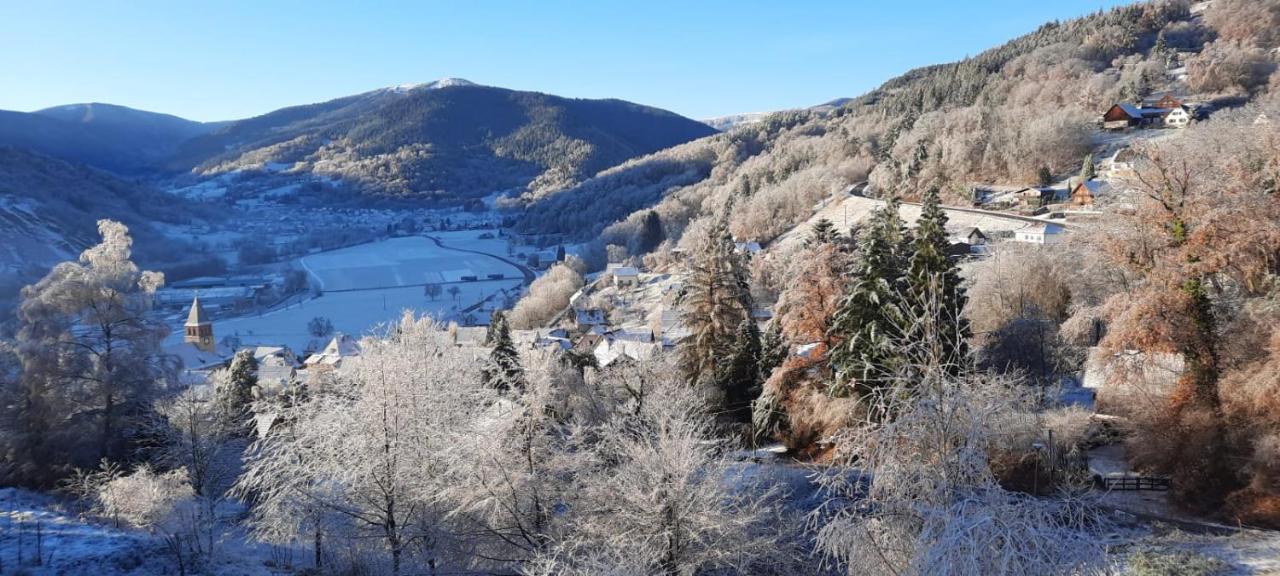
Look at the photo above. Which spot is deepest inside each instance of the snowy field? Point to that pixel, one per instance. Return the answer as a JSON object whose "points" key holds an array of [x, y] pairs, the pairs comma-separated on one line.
{"points": [[369, 285], [411, 261]]}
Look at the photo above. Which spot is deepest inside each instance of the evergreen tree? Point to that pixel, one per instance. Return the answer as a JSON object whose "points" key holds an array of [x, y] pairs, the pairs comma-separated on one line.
{"points": [[560, 253], [503, 371], [1087, 171], [235, 394], [773, 349], [651, 234], [740, 381], [866, 327], [714, 306], [824, 232], [1045, 177], [936, 329]]}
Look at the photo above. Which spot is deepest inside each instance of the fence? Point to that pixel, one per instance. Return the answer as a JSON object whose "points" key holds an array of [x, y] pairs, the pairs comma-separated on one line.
{"points": [[1156, 483]]}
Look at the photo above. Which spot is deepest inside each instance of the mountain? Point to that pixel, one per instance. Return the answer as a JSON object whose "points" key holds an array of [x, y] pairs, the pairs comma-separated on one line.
{"points": [[999, 117], [446, 140], [49, 209], [110, 137], [154, 133]]}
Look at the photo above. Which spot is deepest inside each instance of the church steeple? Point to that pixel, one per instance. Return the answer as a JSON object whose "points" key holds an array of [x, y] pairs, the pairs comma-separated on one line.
{"points": [[199, 329]]}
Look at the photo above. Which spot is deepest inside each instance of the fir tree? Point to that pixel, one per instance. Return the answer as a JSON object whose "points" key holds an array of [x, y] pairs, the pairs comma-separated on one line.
{"points": [[1045, 177], [714, 306], [937, 329], [1087, 171], [740, 380], [773, 349], [651, 234], [866, 327], [824, 232], [235, 395], [503, 371]]}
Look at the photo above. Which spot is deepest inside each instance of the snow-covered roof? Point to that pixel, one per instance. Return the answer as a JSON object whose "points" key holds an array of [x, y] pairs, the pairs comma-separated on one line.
{"points": [[626, 271], [607, 352]]}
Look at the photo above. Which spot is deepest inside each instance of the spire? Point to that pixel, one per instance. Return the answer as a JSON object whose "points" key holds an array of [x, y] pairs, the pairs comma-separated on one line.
{"points": [[197, 315]]}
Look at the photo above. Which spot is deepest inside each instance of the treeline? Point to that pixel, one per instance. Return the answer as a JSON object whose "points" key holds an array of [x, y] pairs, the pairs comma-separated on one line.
{"points": [[1009, 115]]}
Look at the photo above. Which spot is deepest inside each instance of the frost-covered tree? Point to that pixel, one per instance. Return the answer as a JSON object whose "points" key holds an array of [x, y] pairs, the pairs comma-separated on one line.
{"points": [[372, 457], [91, 359], [656, 495], [233, 390], [868, 324], [714, 307], [934, 290], [824, 232], [503, 372], [1087, 170], [916, 494]]}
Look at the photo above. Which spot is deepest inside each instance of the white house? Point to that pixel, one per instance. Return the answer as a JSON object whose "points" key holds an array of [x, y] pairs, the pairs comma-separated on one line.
{"points": [[1179, 117], [1047, 233], [626, 276], [1121, 164]]}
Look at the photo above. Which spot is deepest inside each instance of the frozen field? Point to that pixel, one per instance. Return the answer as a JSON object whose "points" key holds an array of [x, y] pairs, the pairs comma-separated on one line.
{"points": [[371, 284], [411, 261], [356, 312]]}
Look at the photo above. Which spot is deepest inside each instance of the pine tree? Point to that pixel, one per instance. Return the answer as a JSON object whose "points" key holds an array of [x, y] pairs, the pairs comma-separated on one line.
{"points": [[503, 371], [651, 234], [773, 349], [1045, 176], [936, 328], [824, 232], [740, 380], [235, 394], [866, 327], [1087, 171], [715, 305]]}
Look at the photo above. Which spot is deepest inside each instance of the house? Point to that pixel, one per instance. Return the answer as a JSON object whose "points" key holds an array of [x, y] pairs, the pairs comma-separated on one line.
{"points": [[609, 352], [1034, 197], [626, 277], [751, 247], [974, 237], [1179, 117], [587, 318], [340, 348], [1124, 116], [632, 333], [1043, 234], [1166, 101], [1085, 193]]}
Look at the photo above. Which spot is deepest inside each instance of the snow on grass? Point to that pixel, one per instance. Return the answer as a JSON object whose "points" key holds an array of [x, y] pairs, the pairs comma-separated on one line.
{"points": [[355, 312], [404, 262]]}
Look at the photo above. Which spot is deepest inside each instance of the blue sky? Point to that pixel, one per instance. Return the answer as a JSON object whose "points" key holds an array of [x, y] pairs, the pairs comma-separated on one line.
{"points": [[701, 58]]}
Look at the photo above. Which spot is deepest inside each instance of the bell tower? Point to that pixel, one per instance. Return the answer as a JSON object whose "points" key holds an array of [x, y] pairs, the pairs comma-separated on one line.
{"points": [[198, 329]]}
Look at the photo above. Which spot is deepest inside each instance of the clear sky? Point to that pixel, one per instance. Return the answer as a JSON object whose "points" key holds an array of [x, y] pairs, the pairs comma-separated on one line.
{"points": [[225, 59]]}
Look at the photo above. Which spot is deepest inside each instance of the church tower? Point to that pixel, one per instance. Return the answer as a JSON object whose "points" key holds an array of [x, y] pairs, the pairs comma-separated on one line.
{"points": [[199, 330]]}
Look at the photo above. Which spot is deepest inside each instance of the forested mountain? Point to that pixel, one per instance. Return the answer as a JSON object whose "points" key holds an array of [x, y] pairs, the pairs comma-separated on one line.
{"points": [[451, 141], [996, 118], [49, 209], [447, 141]]}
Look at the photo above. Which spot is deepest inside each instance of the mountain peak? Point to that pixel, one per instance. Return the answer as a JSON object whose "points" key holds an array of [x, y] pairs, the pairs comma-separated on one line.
{"points": [[433, 85]]}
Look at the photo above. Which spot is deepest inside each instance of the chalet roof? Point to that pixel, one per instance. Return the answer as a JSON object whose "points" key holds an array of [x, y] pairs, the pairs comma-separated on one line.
{"points": [[197, 315], [1092, 186], [1130, 109], [974, 231]]}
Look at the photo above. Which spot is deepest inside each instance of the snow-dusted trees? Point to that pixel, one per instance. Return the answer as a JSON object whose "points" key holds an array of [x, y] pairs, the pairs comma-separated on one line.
{"points": [[869, 321], [915, 494], [503, 372], [234, 389], [91, 360], [548, 296], [716, 304], [370, 456], [655, 494]]}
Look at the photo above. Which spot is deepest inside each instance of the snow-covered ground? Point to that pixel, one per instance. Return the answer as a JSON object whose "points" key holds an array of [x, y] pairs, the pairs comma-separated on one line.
{"points": [[70, 545], [410, 261], [371, 284]]}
